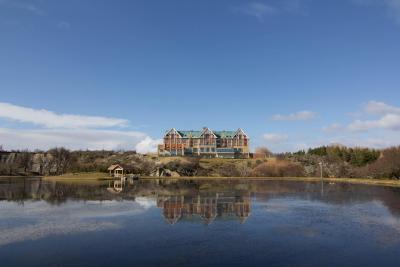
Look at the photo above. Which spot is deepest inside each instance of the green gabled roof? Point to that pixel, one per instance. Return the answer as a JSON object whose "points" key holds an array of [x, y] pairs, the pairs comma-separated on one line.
{"points": [[187, 134], [225, 134]]}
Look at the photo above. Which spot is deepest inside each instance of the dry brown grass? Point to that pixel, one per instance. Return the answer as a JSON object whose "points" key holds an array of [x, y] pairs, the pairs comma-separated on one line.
{"points": [[79, 176]]}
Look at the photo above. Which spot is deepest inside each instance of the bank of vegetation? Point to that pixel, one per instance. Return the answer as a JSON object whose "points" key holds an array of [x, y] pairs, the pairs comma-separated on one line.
{"points": [[337, 162]]}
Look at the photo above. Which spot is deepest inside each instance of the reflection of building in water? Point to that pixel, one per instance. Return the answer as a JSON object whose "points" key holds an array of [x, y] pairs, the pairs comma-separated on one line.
{"points": [[207, 207]]}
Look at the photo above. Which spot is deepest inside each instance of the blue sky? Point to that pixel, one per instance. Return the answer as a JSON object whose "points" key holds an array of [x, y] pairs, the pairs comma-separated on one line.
{"points": [[291, 73]]}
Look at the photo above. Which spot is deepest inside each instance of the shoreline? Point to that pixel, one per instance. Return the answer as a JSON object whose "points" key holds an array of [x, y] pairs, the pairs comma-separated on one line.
{"points": [[96, 176], [365, 181]]}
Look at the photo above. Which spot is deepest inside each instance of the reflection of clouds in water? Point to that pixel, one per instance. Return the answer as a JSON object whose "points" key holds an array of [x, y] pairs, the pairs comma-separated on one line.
{"points": [[146, 202], [94, 209], [43, 229], [373, 217], [38, 219], [283, 205], [376, 219], [295, 209]]}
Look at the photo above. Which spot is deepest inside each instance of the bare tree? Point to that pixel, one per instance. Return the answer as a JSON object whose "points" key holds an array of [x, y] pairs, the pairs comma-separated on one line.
{"points": [[44, 162], [263, 151], [244, 169], [10, 164], [61, 159], [24, 160], [228, 170]]}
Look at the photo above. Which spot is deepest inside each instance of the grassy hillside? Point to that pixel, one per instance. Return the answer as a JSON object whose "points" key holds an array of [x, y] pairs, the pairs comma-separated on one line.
{"points": [[337, 162]]}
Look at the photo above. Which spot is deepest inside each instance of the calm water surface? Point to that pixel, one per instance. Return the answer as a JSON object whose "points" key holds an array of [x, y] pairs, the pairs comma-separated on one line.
{"points": [[200, 223]]}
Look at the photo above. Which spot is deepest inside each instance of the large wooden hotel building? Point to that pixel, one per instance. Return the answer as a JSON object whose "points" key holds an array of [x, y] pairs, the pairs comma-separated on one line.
{"points": [[205, 143]]}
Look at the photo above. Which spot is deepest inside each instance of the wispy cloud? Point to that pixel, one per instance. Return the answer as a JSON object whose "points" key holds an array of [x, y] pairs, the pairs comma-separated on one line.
{"points": [[381, 108], [377, 125], [298, 116], [295, 6], [391, 6], [274, 138], [334, 127], [261, 10], [378, 128], [70, 131], [357, 141], [377, 142], [256, 9], [350, 140], [64, 25], [50, 119], [74, 139], [93, 139], [389, 120], [23, 5]]}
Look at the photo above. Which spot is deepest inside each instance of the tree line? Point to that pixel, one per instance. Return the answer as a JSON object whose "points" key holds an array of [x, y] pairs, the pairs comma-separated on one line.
{"points": [[356, 156], [59, 160], [341, 161], [54, 161]]}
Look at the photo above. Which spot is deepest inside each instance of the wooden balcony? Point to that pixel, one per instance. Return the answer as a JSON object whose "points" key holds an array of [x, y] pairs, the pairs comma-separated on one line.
{"points": [[174, 146]]}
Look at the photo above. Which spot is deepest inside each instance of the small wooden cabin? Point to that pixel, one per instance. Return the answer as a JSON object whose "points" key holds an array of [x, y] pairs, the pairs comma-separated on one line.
{"points": [[120, 170]]}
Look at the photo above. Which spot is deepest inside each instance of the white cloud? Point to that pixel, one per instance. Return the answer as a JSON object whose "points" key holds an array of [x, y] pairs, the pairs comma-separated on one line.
{"points": [[50, 119], [357, 141], [93, 139], [298, 116], [334, 127], [147, 145], [257, 10], [388, 121], [375, 141], [385, 117], [273, 138], [70, 131], [379, 128], [381, 108]]}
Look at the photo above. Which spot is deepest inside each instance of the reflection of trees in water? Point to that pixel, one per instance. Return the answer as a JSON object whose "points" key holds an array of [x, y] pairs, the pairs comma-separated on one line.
{"points": [[54, 193], [334, 193], [207, 199]]}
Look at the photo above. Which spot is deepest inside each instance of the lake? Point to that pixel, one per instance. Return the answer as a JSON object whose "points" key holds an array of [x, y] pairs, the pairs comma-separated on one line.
{"points": [[198, 223]]}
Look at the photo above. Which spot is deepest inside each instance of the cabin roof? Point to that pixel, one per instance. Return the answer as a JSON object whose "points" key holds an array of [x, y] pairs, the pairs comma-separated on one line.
{"points": [[112, 167], [122, 166]]}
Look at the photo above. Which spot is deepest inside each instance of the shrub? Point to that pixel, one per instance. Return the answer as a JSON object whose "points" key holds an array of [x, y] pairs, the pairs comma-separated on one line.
{"points": [[387, 166], [280, 168]]}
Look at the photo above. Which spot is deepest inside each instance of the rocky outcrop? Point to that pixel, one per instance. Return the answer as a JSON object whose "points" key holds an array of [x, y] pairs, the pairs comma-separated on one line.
{"points": [[163, 172]]}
